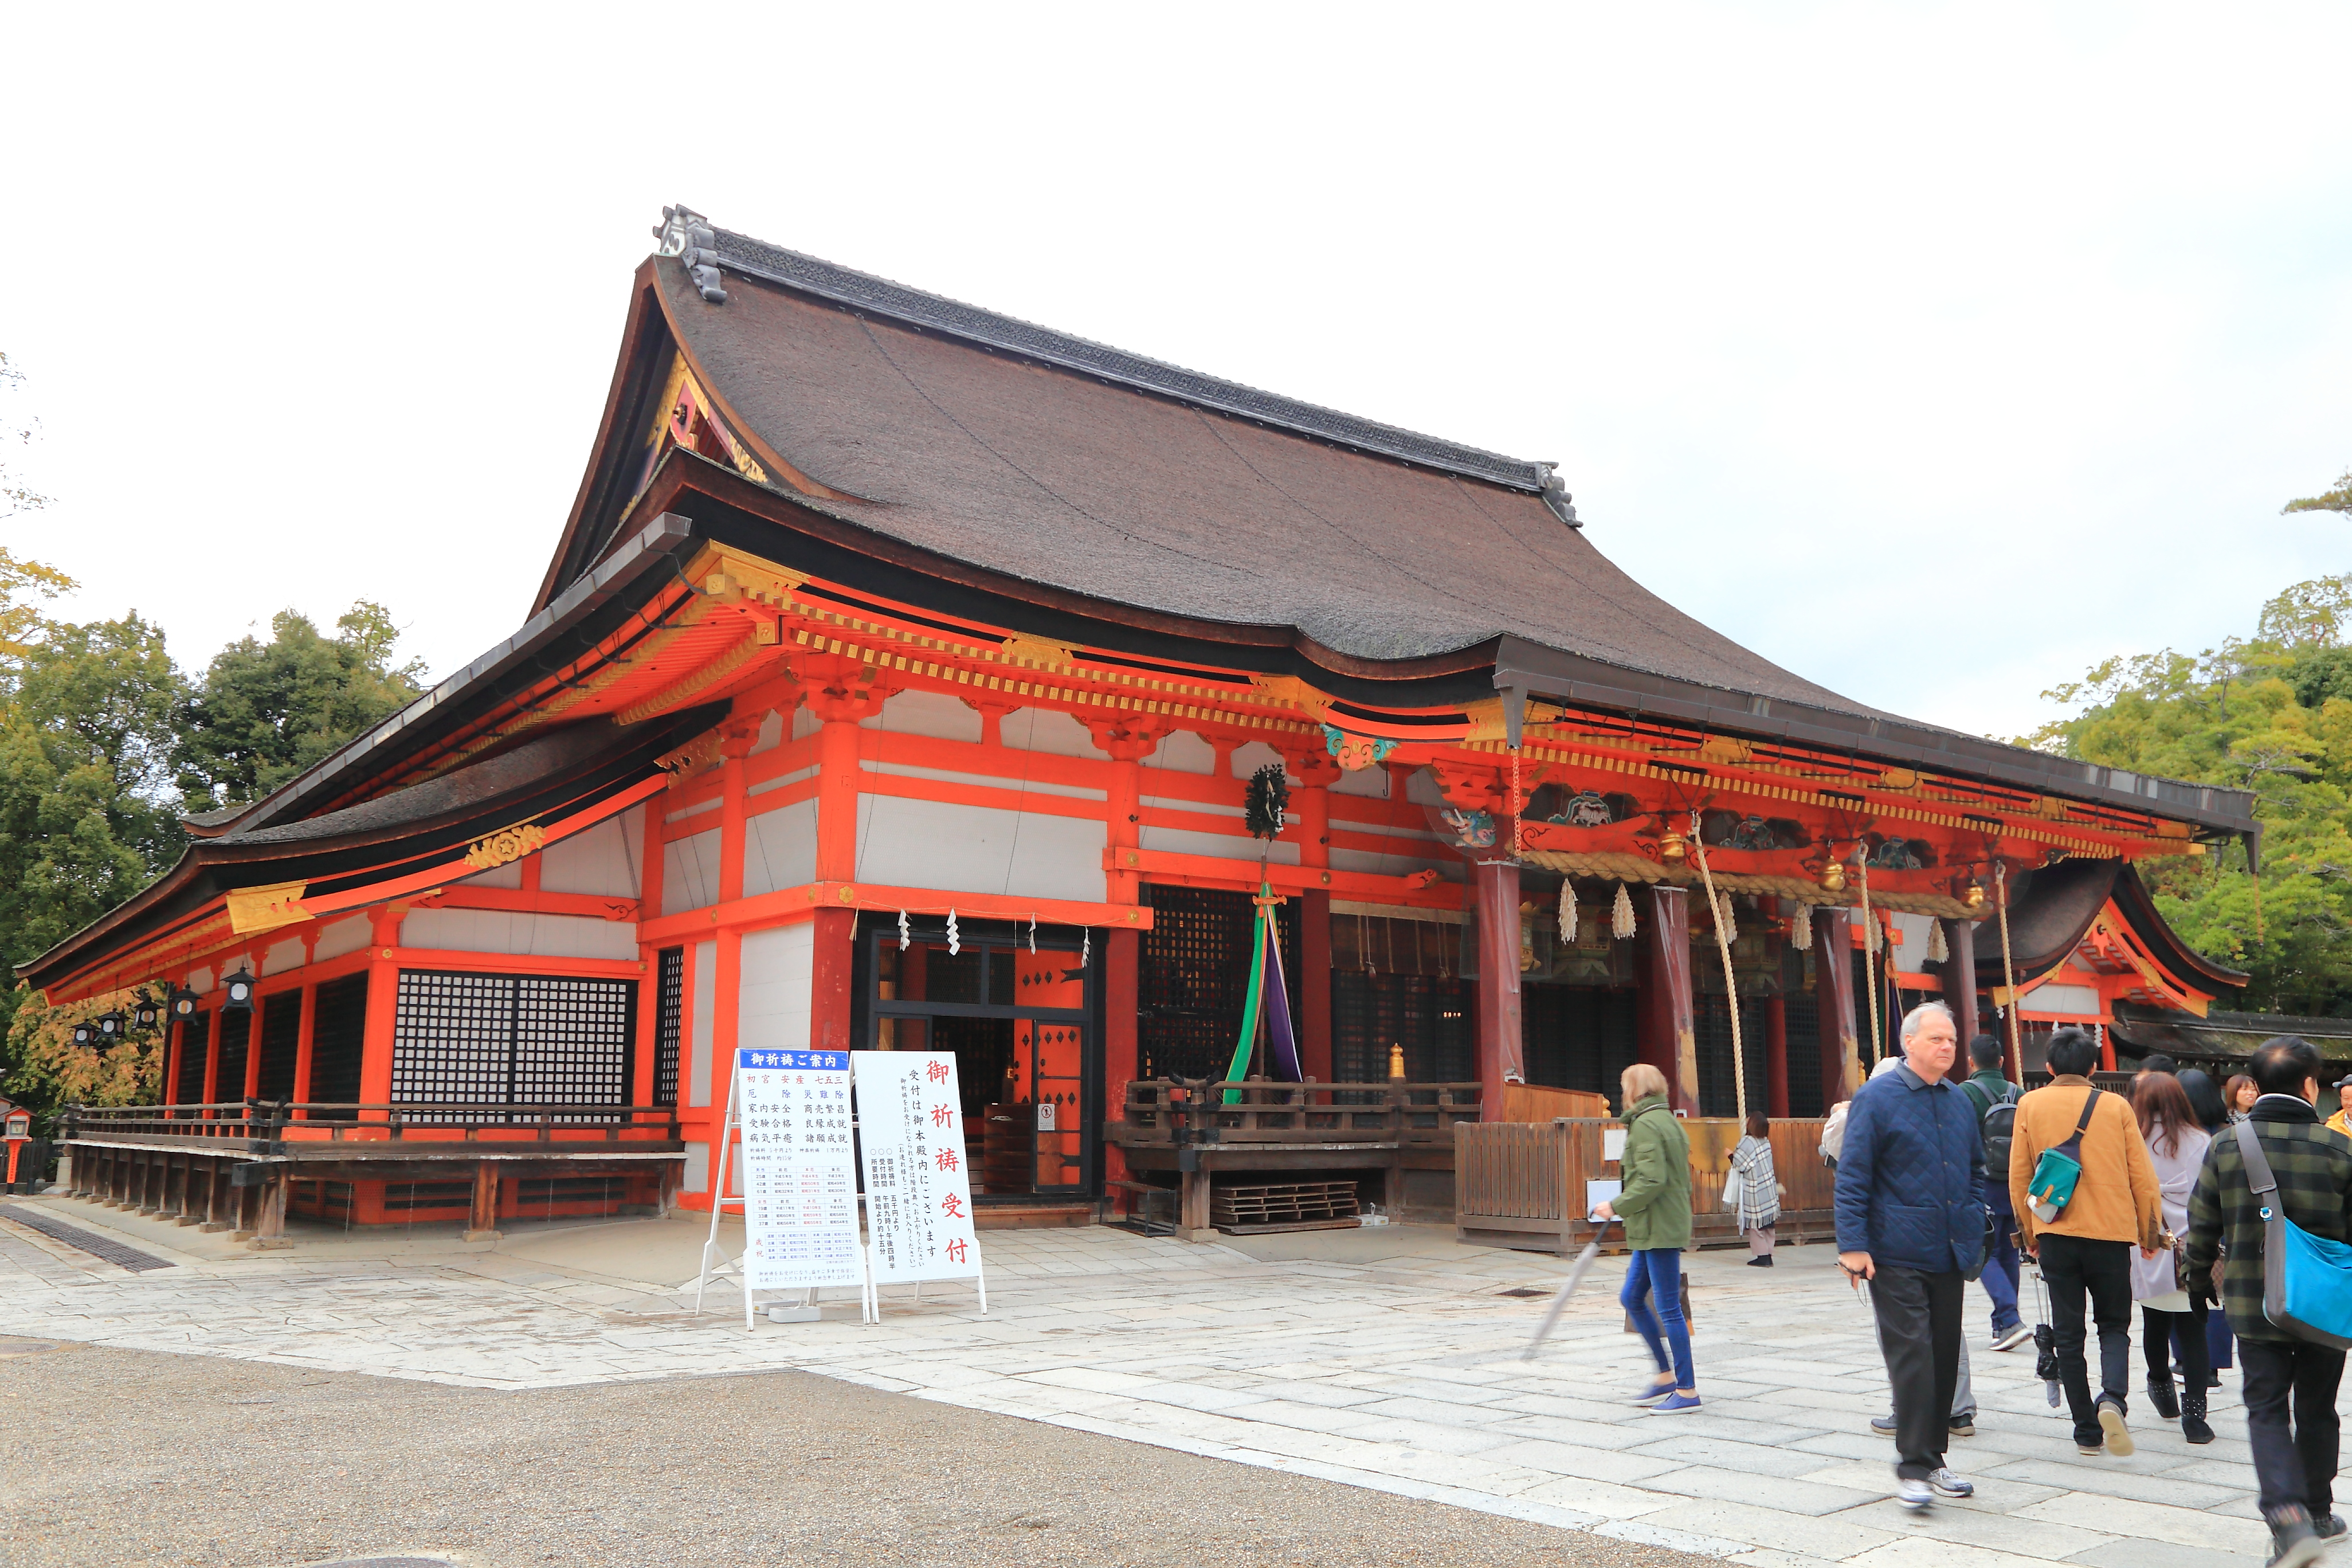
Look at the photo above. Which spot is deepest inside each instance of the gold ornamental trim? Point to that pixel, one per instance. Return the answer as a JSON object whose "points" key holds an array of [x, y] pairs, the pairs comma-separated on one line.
{"points": [[252, 910], [505, 846]]}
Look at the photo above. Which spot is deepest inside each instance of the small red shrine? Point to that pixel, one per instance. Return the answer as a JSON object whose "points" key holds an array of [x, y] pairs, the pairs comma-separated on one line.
{"points": [[896, 681]]}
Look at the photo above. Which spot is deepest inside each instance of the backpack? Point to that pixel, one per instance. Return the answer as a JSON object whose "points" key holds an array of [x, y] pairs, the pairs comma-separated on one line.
{"points": [[2000, 1131]]}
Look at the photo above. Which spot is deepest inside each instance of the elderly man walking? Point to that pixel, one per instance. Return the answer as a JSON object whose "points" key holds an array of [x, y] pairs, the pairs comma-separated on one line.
{"points": [[2084, 1239], [2289, 1382], [1911, 1221]]}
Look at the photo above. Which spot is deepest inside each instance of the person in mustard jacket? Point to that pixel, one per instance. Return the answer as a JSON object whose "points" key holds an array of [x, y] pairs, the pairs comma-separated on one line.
{"points": [[1655, 1204], [2086, 1250]]}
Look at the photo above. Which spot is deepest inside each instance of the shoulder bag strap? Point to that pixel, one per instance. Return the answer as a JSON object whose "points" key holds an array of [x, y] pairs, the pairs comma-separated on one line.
{"points": [[2258, 1168], [2089, 1101]]}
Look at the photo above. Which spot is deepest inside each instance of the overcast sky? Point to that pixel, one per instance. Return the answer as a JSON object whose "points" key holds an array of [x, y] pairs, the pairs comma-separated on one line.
{"points": [[1933, 351]]}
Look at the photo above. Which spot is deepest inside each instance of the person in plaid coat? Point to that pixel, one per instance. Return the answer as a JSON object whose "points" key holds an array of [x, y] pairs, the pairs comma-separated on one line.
{"points": [[2290, 1383]]}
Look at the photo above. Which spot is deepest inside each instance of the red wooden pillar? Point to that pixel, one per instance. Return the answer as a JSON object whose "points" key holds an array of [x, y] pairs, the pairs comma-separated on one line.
{"points": [[1669, 1035], [211, 1092], [1959, 979], [1833, 995], [649, 900], [383, 1014], [1776, 1054], [1316, 773], [253, 1048], [175, 1035], [304, 1032], [838, 701], [1494, 887], [1127, 740]]}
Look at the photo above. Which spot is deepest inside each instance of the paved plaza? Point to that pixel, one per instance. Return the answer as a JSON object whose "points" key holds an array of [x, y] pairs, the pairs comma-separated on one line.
{"points": [[1386, 1357]]}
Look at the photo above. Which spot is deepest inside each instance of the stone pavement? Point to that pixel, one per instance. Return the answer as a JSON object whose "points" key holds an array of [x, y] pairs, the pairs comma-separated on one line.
{"points": [[1388, 1359]]}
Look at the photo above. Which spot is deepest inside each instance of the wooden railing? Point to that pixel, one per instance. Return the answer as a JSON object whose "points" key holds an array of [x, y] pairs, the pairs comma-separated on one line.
{"points": [[289, 1126], [1179, 1111], [1527, 1179]]}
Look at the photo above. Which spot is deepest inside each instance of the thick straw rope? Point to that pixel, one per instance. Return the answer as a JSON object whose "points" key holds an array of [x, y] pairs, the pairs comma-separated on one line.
{"points": [[1869, 956], [1717, 911]]}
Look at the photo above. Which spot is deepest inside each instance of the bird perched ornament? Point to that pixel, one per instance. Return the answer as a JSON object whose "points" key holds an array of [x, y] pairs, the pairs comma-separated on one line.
{"points": [[1267, 798]]}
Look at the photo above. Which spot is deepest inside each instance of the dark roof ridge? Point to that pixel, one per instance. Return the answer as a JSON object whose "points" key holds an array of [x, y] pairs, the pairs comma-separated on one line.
{"points": [[753, 258]]}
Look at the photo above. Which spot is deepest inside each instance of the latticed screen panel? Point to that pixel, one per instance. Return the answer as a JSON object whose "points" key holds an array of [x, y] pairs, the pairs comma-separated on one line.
{"points": [[338, 1034], [1193, 976], [1719, 1094], [1577, 1037], [572, 1039], [281, 1042], [669, 1022], [453, 1038], [1429, 1018], [1804, 1054], [194, 1045], [236, 1036]]}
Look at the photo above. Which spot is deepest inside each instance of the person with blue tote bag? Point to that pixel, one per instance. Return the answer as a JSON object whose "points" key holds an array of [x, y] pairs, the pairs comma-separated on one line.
{"points": [[2276, 1190]]}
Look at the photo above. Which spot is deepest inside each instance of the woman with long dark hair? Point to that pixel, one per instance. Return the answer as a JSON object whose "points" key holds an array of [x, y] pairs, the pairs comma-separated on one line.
{"points": [[2176, 1146], [2218, 1111]]}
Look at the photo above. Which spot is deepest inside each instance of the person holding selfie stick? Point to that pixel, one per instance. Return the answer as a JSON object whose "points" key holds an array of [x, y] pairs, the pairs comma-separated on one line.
{"points": [[1911, 1223]]}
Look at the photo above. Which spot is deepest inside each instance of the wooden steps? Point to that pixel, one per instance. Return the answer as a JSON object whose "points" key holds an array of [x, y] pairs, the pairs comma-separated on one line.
{"points": [[1286, 1205]]}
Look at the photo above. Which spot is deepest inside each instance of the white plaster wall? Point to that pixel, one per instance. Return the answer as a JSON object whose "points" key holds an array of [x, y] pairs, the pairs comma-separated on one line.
{"points": [[772, 733], [1183, 752], [691, 872], [697, 1178], [1422, 789], [2069, 1001], [932, 713], [602, 860], [282, 956], [201, 980], [506, 876], [534, 936], [342, 937], [1370, 783], [805, 723], [779, 848], [1042, 730], [978, 850], [689, 814], [1230, 847], [703, 992], [779, 967], [1248, 759], [1911, 953], [781, 781]]}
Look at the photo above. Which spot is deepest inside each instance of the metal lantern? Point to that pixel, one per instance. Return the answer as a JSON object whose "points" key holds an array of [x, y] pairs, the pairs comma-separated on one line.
{"points": [[148, 1014], [84, 1034], [184, 1002], [112, 1025], [236, 990]]}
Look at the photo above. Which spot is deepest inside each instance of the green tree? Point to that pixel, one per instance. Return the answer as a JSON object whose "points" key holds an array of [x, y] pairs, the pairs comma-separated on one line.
{"points": [[2272, 714], [267, 710], [2337, 499]]}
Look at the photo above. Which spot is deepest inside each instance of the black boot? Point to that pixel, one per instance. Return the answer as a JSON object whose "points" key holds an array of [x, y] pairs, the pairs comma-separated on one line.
{"points": [[2293, 1543], [2160, 1395], [2192, 1416]]}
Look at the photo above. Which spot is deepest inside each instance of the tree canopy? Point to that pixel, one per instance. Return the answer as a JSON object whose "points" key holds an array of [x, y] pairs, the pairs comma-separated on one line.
{"points": [[2272, 714]]}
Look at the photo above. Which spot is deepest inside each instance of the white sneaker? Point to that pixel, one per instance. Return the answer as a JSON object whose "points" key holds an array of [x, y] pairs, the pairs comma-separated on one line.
{"points": [[2013, 1338], [1915, 1495], [1946, 1484]]}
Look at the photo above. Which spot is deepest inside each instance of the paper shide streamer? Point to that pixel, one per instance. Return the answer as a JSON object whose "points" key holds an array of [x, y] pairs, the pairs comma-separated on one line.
{"points": [[955, 940], [1621, 915], [905, 936]]}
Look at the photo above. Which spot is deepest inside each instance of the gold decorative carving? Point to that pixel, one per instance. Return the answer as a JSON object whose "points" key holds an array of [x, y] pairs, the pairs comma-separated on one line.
{"points": [[1291, 690], [252, 910], [1022, 650], [703, 752], [505, 845], [681, 692]]}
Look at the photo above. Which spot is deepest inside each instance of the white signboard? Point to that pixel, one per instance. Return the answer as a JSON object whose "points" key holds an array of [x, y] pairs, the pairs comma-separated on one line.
{"points": [[799, 1175], [917, 1192]]}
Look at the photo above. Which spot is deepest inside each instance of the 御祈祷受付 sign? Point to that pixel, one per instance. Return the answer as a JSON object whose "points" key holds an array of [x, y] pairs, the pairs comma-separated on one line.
{"points": [[917, 1191]]}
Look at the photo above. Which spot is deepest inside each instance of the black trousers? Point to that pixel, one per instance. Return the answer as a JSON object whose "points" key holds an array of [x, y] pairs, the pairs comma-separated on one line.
{"points": [[2290, 1395], [1919, 1334], [2072, 1269], [2158, 1342]]}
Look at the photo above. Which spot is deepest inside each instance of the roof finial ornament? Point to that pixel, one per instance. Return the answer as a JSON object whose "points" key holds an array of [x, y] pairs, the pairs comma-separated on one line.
{"points": [[688, 235], [1556, 496]]}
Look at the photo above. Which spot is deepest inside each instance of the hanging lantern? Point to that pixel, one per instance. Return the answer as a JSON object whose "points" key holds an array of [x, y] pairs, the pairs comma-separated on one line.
{"points": [[85, 1034], [1566, 912], [183, 1003], [236, 991], [1621, 915], [149, 1013], [111, 1026]]}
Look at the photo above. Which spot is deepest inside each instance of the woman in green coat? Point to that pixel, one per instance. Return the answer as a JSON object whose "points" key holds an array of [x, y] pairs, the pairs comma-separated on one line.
{"points": [[1655, 1207]]}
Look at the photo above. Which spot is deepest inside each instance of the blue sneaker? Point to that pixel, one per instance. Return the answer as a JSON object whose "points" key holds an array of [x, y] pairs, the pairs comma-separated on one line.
{"points": [[1654, 1393], [1675, 1402]]}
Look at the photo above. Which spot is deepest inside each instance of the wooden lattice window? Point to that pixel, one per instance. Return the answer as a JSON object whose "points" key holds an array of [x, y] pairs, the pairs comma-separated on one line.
{"points": [[1719, 1095], [281, 1041], [669, 1022], [500, 1039], [194, 1043], [1429, 1018], [235, 1036], [1577, 1036], [338, 1037], [1805, 1020], [1192, 976], [572, 1039]]}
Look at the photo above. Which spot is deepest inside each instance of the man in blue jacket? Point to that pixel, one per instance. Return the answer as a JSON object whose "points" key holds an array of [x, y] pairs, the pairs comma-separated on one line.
{"points": [[1911, 1221]]}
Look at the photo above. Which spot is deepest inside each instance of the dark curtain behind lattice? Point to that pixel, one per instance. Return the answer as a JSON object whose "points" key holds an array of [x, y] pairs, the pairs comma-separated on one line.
{"points": [[194, 1045], [236, 1037], [1430, 1017], [669, 1022], [281, 1042], [1804, 1054], [497, 1039], [337, 1039], [1193, 976], [1719, 1095], [1578, 1036]]}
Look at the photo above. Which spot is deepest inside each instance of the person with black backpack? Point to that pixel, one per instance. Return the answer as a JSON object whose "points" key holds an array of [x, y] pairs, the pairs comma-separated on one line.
{"points": [[1996, 1098]]}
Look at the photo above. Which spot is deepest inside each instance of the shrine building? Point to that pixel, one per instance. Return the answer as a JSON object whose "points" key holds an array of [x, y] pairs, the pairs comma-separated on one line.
{"points": [[897, 681]]}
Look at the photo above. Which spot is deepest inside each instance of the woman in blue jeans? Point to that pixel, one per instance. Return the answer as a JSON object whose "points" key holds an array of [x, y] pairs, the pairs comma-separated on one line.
{"points": [[1655, 1205]]}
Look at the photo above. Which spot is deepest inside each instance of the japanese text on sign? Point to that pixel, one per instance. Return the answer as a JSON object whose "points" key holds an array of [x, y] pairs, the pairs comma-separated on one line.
{"points": [[918, 1191], [800, 1182]]}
